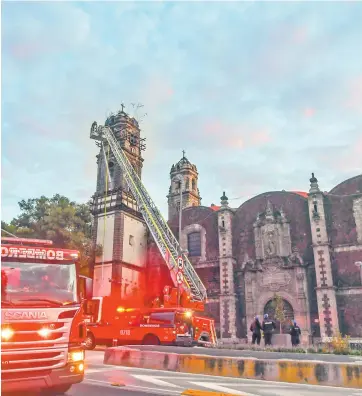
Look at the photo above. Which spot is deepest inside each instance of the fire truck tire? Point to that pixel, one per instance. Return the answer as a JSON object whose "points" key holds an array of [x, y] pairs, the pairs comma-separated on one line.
{"points": [[90, 341], [151, 339], [56, 390]]}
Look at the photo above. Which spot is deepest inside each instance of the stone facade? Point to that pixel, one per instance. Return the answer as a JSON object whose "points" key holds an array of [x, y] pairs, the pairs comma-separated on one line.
{"points": [[304, 247]]}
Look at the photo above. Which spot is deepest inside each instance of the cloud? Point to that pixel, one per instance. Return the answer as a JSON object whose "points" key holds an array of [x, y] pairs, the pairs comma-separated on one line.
{"points": [[258, 94]]}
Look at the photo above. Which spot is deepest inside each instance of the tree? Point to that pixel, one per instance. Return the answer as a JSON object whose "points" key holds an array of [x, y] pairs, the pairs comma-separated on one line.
{"points": [[279, 313], [66, 223]]}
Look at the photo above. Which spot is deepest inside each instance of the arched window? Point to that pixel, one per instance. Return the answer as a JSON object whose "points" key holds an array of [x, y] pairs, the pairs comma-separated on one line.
{"points": [[288, 316], [194, 244], [193, 184]]}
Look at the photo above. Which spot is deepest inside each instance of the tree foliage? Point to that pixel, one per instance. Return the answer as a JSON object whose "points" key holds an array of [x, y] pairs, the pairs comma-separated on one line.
{"points": [[279, 313], [66, 223]]}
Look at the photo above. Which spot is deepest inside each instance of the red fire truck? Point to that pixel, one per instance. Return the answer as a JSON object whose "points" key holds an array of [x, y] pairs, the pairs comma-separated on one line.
{"points": [[112, 324], [42, 321]]}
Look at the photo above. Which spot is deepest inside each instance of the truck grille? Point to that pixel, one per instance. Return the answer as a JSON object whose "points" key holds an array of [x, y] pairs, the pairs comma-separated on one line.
{"points": [[29, 351], [16, 361]]}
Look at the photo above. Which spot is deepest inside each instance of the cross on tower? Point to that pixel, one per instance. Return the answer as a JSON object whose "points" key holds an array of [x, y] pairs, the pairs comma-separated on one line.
{"points": [[123, 106], [183, 153]]}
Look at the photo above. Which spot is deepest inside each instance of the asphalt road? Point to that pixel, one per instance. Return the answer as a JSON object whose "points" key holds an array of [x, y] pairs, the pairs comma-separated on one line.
{"points": [[124, 381], [254, 354]]}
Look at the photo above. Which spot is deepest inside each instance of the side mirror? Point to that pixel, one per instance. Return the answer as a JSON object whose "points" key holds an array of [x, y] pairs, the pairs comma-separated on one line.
{"points": [[89, 308], [86, 287]]}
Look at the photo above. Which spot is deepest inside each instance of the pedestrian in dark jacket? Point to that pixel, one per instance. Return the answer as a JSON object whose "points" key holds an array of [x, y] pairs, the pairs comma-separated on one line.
{"points": [[295, 334], [268, 328], [255, 328]]}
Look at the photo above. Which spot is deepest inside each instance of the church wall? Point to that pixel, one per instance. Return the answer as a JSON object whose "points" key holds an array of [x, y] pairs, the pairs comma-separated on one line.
{"points": [[296, 210], [348, 187], [341, 224], [134, 241], [345, 272], [105, 232], [207, 218], [350, 314]]}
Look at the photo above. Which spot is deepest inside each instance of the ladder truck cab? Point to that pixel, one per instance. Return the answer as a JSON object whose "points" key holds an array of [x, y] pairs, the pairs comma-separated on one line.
{"points": [[112, 324], [42, 319], [182, 299]]}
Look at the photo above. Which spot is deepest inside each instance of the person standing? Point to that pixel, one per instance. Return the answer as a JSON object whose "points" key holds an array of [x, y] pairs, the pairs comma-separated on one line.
{"points": [[256, 328], [268, 328], [295, 334]]}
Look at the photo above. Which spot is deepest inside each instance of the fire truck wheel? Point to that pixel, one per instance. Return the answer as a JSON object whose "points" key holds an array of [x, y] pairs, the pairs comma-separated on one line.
{"points": [[56, 390], [90, 342], [150, 339]]}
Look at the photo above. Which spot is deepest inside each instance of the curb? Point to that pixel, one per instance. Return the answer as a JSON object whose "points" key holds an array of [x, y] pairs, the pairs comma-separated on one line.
{"points": [[347, 375]]}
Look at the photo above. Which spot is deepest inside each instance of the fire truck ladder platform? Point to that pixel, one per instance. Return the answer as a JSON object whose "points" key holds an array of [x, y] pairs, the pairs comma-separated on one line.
{"points": [[162, 234]]}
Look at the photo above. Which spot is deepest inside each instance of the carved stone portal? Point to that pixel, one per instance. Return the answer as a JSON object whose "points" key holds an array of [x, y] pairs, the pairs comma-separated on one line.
{"points": [[276, 268], [275, 279]]}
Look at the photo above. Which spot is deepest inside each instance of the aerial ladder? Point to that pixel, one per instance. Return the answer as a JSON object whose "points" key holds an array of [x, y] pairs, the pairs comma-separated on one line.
{"points": [[187, 280]]}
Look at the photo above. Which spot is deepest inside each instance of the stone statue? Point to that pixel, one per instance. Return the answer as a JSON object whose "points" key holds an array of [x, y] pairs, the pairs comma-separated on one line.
{"points": [[295, 258], [270, 250]]}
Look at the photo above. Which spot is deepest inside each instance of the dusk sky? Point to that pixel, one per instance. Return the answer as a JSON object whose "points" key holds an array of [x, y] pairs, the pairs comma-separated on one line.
{"points": [[259, 95]]}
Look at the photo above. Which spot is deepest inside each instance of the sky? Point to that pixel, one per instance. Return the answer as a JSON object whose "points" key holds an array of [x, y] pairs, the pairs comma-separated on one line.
{"points": [[259, 95]]}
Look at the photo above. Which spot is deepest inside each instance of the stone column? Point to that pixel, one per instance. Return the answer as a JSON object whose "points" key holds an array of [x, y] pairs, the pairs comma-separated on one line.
{"points": [[228, 299], [326, 296]]}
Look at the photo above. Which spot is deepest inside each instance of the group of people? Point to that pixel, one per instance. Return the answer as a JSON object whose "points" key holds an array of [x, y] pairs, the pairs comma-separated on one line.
{"points": [[267, 327]]}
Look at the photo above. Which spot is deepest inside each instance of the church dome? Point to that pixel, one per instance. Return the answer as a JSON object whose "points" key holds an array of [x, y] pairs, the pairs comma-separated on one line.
{"points": [[183, 163]]}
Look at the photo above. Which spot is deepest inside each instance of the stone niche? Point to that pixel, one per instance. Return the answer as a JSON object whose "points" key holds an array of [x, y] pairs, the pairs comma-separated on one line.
{"points": [[277, 268]]}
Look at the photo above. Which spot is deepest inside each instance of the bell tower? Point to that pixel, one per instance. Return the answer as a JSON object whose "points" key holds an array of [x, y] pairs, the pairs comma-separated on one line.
{"points": [[118, 226], [184, 180]]}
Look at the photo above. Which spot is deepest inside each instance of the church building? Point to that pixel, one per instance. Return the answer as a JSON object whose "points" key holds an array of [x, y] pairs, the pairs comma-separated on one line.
{"points": [[304, 247]]}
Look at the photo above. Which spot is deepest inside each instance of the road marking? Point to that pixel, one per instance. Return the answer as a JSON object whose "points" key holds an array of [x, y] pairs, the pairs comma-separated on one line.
{"points": [[98, 370], [221, 388], [105, 383], [245, 381], [155, 381]]}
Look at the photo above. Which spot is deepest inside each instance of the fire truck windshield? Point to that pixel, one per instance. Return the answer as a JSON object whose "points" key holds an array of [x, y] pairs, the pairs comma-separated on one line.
{"points": [[38, 284]]}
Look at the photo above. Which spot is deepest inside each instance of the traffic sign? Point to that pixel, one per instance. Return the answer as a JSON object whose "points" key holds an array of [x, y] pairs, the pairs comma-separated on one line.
{"points": [[180, 277], [180, 263]]}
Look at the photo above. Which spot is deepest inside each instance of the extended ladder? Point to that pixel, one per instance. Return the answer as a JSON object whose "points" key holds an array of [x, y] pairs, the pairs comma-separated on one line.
{"points": [[163, 236]]}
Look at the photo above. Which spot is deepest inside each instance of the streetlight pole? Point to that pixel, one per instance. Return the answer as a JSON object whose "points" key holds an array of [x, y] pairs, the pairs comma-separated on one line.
{"points": [[180, 180]]}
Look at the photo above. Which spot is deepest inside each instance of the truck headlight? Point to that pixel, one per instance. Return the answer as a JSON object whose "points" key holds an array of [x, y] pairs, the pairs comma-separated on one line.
{"points": [[6, 333], [76, 356], [44, 332]]}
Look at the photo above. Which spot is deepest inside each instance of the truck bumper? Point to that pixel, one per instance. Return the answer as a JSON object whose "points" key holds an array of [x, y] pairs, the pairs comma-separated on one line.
{"points": [[26, 381]]}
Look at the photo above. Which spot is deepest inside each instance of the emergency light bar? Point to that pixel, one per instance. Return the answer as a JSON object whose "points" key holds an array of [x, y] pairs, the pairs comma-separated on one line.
{"points": [[27, 241]]}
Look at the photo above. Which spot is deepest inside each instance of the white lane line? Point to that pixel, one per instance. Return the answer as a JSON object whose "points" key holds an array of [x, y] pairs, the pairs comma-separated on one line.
{"points": [[155, 381], [221, 388], [241, 379], [99, 370], [132, 386]]}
